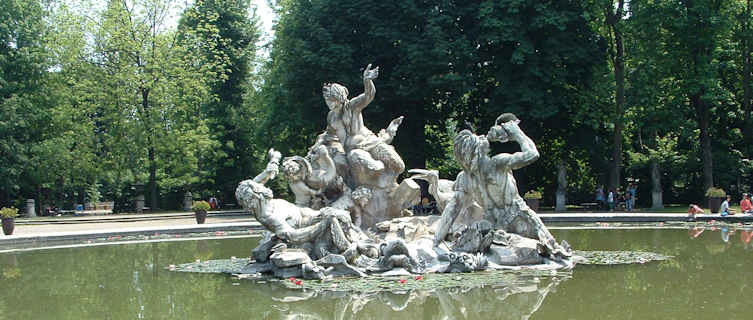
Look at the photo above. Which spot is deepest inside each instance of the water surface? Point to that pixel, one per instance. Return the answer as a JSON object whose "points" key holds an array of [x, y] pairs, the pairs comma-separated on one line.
{"points": [[708, 278]]}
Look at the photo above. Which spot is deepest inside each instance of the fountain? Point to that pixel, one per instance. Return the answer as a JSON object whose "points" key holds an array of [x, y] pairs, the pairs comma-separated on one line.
{"points": [[351, 217]]}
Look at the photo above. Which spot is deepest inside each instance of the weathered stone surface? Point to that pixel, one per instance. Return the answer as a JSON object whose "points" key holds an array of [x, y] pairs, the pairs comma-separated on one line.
{"points": [[522, 252], [408, 228], [346, 189], [338, 266], [258, 267], [284, 273], [289, 257], [262, 252]]}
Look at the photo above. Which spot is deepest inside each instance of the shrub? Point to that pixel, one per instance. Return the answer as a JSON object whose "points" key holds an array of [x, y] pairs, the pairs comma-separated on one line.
{"points": [[11, 212], [715, 193], [533, 194], [200, 206]]}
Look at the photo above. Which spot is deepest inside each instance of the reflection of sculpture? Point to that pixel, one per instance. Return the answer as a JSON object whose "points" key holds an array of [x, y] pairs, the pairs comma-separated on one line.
{"points": [[348, 181], [521, 297]]}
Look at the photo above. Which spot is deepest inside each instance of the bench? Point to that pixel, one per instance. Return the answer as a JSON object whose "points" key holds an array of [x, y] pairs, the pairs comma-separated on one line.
{"points": [[590, 205]]}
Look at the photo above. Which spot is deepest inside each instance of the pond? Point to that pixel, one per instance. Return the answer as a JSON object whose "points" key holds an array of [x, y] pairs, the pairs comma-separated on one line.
{"points": [[709, 277]]}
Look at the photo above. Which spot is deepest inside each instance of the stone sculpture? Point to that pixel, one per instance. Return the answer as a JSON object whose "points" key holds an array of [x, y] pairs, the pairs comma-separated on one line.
{"points": [[347, 183], [488, 181]]}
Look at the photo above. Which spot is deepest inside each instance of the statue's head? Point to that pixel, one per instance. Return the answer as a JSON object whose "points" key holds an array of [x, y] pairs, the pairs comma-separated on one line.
{"points": [[253, 196], [361, 196], [468, 147], [335, 95], [295, 168], [497, 132]]}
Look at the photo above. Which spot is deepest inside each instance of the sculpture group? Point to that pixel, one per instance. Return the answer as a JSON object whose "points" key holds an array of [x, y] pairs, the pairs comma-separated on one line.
{"points": [[351, 217]]}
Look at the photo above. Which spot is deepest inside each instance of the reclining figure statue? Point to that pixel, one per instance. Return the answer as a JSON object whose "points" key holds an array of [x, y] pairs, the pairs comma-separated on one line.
{"points": [[293, 224]]}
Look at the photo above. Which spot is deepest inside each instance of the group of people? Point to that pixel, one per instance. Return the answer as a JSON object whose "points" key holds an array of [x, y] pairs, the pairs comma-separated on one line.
{"points": [[724, 210], [613, 199], [745, 206]]}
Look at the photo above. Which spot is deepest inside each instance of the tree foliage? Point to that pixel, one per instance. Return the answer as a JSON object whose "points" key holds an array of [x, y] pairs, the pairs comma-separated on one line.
{"points": [[116, 94]]}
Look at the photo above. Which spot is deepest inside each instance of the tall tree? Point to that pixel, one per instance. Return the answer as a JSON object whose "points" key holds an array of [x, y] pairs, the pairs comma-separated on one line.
{"points": [[22, 70], [746, 41], [147, 90], [614, 14], [469, 61], [225, 33], [403, 38]]}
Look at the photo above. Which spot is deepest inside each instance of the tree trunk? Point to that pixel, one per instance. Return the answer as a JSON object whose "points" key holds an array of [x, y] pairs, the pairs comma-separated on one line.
{"points": [[153, 194], [619, 79], [747, 94], [656, 191], [561, 196], [39, 199], [152, 163], [703, 113]]}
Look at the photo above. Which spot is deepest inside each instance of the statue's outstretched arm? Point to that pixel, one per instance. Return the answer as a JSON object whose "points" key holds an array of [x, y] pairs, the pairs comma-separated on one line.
{"points": [[369, 91], [302, 235], [528, 152], [388, 134], [272, 169], [449, 214]]}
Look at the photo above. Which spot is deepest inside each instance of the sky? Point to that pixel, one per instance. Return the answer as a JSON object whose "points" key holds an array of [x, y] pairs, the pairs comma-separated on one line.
{"points": [[266, 15]]}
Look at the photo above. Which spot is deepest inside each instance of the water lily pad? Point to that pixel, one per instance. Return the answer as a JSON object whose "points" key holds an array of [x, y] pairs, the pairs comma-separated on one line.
{"points": [[430, 281], [213, 266], [619, 257]]}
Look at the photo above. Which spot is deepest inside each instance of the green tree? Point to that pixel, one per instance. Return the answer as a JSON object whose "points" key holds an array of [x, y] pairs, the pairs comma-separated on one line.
{"points": [[145, 91], [22, 71], [223, 33], [403, 38]]}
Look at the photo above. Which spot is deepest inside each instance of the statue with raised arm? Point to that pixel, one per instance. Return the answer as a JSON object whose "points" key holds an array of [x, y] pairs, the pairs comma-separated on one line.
{"points": [[345, 121], [347, 183], [487, 181]]}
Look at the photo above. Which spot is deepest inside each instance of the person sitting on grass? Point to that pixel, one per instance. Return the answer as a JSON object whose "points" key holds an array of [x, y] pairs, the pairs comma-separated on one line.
{"points": [[745, 205], [725, 209]]}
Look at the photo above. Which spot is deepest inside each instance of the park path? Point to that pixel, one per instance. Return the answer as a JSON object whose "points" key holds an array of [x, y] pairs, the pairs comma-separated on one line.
{"points": [[70, 228]]}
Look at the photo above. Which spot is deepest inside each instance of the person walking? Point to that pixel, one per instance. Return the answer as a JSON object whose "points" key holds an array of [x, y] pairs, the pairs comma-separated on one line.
{"points": [[600, 197], [633, 189]]}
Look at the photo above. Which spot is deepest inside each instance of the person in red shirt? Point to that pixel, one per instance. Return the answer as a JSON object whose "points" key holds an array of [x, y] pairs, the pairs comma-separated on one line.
{"points": [[745, 205]]}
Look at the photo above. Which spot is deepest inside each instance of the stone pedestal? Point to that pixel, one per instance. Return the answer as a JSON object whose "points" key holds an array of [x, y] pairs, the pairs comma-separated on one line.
{"points": [[187, 201], [30, 208], [560, 202], [138, 203]]}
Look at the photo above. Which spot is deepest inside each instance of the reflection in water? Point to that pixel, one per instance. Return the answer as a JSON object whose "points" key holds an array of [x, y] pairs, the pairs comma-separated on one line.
{"points": [[520, 297], [726, 231], [130, 281], [745, 236]]}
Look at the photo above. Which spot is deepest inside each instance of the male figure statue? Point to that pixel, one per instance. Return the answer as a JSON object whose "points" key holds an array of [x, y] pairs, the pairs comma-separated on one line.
{"points": [[345, 121], [488, 181]]}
